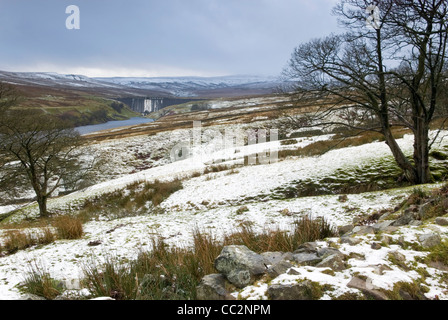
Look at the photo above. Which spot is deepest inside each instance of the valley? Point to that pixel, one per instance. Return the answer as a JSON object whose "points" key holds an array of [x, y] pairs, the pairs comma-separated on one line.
{"points": [[217, 191]]}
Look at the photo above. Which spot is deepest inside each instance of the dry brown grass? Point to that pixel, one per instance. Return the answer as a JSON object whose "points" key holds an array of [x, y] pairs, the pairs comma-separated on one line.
{"points": [[68, 227]]}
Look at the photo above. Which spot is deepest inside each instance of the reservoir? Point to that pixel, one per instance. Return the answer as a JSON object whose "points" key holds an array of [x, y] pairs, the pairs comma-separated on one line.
{"points": [[112, 124]]}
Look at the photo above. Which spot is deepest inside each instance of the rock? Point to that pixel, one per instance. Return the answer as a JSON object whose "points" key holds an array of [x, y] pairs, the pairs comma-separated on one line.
{"points": [[304, 290], [103, 298], [275, 257], [94, 243], [398, 256], [360, 230], [239, 265], [366, 288], [345, 229], [429, 240], [307, 247], [351, 240], [307, 259], [375, 246], [333, 262], [294, 271], [381, 226], [327, 251], [386, 239], [212, 287], [279, 268], [424, 210], [441, 221], [405, 219], [380, 268]]}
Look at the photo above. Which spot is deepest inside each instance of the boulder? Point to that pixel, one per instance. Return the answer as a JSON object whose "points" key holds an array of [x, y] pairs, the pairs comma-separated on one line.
{"points": [[345, 229], [328, 251], [279, 268], [361, 230], [375, 246], [404, 219], [429, 240], [307, 259], [333, 262], [275, 257], [351, 240], [212, 287], [441, 221], [365, 286], [304, 290], [383, 225], [307, 247], [239, 265]]}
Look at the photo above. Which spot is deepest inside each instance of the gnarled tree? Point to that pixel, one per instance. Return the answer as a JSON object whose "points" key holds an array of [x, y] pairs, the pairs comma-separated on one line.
{"points": [[375, 77], [36, 150]]}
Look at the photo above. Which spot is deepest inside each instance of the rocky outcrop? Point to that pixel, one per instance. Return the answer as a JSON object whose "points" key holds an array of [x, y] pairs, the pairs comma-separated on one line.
{"points": [[240, 267]]}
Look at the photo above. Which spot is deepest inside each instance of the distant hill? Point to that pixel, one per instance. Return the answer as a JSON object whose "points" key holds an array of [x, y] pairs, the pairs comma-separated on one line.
{"points": [[115, 87]]}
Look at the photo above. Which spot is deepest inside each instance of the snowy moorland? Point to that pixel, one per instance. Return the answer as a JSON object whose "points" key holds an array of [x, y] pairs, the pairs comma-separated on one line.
{"points": [[210, 201]]}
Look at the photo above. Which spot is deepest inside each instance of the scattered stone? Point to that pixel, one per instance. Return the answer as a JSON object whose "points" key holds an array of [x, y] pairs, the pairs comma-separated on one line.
{"points": [[286, 212], [381, 226], [328, 251], [212, 287], [438, 265], [397, 256], [424, 210], [304, 290], [293, 272], [386, 239], [415, 223], [351, 240], [242, 209], [307, 259], [375, 246], [345, 229], [366, 287], [333, 262], [441, 221], [94, 243], [239, 265], [307, 247], [279, 268], [343, 198], [379, 269], [405, 219], [429, 240], [276, 257], [361, 230]]}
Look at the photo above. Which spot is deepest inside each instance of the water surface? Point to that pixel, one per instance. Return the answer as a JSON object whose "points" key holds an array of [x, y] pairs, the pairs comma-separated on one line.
{"points": [[112, 125]]}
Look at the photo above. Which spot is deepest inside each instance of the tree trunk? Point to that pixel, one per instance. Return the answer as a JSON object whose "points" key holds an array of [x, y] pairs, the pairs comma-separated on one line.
{"points": [[421, 150], [42, 201], [403, 162]]}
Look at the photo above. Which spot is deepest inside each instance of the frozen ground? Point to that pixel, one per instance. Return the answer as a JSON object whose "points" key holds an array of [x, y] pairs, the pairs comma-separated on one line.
{"points": [[210, 202]]}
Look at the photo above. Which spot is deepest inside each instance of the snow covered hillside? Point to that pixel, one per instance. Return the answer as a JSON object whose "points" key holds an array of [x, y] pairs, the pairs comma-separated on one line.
{"points": [[210, 201]]}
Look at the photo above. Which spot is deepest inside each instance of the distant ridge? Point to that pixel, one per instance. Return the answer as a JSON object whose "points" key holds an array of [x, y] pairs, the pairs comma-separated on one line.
{"points": [[224, 86]]}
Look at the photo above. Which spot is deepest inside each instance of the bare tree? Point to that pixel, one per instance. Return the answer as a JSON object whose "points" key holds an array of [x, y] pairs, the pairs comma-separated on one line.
{"points": [[38, 150], [377, 78]]}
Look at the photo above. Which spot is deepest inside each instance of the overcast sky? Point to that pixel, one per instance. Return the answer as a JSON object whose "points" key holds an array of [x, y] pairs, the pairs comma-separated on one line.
{"points": [[159, 37]]}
